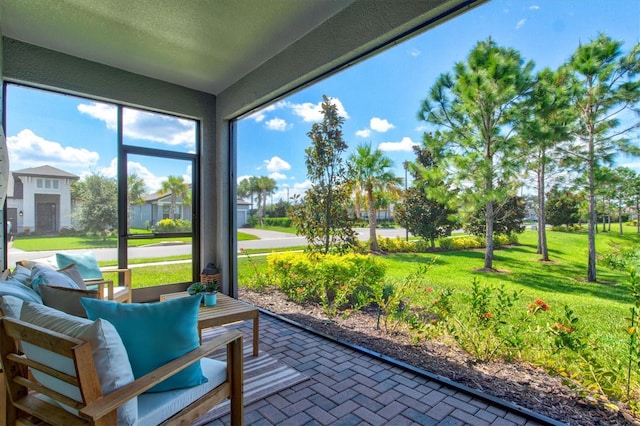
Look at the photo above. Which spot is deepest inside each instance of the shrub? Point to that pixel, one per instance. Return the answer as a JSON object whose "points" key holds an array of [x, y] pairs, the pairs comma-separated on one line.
{"points": [[67, 232], [284, 222], [474, 242], [461, 243], [396, 245], [173, 225], [338, 282], [566, 228]]}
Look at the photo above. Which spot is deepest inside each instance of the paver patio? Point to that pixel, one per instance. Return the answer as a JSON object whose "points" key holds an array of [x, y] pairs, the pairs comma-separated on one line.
{"points": [[349, 387]]}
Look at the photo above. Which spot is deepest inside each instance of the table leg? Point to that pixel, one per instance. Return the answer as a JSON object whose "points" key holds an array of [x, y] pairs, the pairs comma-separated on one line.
{"points": [[256, 331]]}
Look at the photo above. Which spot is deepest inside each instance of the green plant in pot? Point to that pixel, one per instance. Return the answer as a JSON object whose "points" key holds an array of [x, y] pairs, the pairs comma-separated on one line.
{"points": [[208, 289]]}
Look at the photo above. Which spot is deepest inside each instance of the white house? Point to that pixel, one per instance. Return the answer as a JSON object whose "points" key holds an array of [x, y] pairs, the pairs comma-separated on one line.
{"points": [[39, 200]]}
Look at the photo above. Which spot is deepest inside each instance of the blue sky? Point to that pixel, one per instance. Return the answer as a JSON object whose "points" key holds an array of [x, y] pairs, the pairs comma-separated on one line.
{"points": [[379, 98]]}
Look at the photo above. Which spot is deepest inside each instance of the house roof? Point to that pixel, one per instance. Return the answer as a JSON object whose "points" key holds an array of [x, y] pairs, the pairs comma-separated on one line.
{"points": [[45, 171], [210, 45]]}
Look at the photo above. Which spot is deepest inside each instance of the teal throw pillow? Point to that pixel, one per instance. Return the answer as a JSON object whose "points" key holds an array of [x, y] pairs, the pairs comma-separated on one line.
{"points": [[85, 262], [46, 275], [22, 274], [154, 334]]}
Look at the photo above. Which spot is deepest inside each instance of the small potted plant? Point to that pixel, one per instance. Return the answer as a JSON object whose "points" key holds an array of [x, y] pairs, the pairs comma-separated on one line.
{"points": [[208, 289]]}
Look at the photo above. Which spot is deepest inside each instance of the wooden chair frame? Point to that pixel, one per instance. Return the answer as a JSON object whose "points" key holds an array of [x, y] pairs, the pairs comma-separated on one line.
{"points": [[96, 409], [124, 274]]}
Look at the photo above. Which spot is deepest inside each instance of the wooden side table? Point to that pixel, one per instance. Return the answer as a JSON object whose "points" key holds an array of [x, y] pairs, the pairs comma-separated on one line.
{"points": [[226, 311]]}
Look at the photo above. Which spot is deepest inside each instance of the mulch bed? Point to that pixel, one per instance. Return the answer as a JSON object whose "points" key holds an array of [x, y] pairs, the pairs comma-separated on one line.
{"points": [[519, 382]]}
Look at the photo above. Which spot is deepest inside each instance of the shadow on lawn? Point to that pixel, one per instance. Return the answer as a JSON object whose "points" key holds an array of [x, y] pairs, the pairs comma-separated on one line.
{"points": [[558, 276]]}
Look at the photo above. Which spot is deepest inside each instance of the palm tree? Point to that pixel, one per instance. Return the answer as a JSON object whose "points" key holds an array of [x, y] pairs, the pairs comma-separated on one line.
{"points": [[371, 170], [176, 187], [135, 190], [248, 187], [266, 186]]}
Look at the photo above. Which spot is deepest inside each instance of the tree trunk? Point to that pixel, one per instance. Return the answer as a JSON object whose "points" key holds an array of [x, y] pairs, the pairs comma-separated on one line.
{"points": [[542, 217], [638, 214], [620, 215], [488, 253], [593, 218], [373, 240]]}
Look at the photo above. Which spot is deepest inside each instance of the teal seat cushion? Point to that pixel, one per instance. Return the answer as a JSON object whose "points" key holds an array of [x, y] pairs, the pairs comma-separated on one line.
{"points": [[85, 262], [154, 334]]}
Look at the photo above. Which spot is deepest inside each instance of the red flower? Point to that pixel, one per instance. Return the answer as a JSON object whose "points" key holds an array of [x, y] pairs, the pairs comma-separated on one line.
{"points": [[488, 315], [538, 305]]}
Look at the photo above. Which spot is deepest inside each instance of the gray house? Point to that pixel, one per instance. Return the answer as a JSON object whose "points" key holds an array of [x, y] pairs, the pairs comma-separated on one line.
{"points": [[155, 208]]}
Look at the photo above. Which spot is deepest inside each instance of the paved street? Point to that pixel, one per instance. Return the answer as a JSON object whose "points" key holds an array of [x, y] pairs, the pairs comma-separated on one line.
{"points": [[268, 239]]}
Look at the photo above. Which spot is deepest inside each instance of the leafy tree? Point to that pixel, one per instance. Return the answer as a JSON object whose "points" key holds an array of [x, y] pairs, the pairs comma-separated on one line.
{"points": [[136, 188], [474, 109], [542, 126], [370, 168], [562, 207], [98, 196], [604, 83], [606, 183], [321, 216], [421, 215], [176, 187], [279, 209], [624, 191], [508, 219]]}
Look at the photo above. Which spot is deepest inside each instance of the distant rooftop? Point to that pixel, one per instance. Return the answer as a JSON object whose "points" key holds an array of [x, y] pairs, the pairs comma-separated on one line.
{"points": [[45, 171]]}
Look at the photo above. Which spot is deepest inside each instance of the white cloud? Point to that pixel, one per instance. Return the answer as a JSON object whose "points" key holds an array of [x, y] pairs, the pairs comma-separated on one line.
{"points": [[364, 133], [380, 125], [311, 112], [145, 125], [277, 176], [276, 164], [422, 128], [406, 144], [415, 52], [152, 182], [259, 116], [521, 23], [303, 186], [276, 124], [534, 7], [31, 150]]}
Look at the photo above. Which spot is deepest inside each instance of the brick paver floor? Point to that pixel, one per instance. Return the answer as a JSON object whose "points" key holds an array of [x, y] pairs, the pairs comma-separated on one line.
{"points": [[349, 387]]}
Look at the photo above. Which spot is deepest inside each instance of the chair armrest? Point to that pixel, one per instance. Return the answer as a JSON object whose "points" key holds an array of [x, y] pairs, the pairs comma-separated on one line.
{"points": [[125, 271], [101, 284], [108, 403]]}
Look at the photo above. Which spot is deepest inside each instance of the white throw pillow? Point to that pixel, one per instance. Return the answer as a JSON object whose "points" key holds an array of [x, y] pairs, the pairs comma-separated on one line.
{"points": [[109, 355]]}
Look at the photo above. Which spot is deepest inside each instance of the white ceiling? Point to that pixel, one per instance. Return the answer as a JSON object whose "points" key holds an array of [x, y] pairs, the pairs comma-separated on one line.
{"points": [[205, 45]]}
